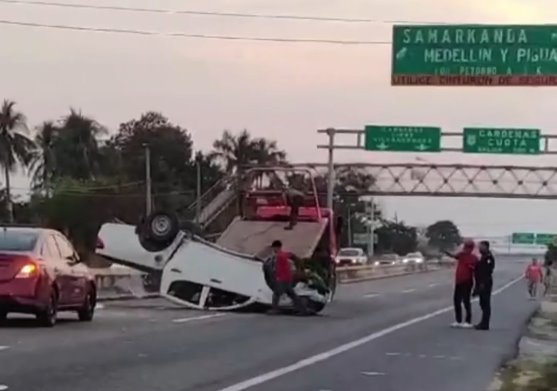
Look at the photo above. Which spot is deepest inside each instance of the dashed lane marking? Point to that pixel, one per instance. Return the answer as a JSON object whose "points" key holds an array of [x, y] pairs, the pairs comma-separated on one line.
{"points": [[371, 295], [3, 387], [433, 285], [392, 354], [195, 318], [373, 373], [409, 291], [312, 360], [4, 348]]}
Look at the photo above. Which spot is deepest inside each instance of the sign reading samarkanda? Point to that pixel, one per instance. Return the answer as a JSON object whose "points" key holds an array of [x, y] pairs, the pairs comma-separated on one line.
{"points": [[480, 55]]}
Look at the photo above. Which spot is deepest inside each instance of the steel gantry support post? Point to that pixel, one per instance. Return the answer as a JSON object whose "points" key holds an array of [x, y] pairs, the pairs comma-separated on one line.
{"points": [[331, 169]]}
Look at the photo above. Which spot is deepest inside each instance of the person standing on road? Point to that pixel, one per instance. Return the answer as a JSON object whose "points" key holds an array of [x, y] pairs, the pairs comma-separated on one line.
{"points": [[534, 275], [484, 283], [464, 281], [284, 279]]}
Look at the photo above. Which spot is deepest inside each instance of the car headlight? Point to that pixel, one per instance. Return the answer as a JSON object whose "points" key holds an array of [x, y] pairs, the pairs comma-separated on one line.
{"points": [[376, 263], [354, 260], [405, 261], [419, 260]]}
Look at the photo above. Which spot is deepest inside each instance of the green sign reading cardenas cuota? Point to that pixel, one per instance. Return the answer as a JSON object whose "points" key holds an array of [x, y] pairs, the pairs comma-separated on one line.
{"points": [[475, 54]]}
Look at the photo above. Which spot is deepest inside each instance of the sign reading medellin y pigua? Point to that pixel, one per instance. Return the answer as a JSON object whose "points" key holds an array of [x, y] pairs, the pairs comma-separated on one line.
{"points": [[477, 55]]}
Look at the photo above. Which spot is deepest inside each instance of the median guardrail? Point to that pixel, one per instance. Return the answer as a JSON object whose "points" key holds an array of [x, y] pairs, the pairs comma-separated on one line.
{"points": [[348, 274], [120, 282]]}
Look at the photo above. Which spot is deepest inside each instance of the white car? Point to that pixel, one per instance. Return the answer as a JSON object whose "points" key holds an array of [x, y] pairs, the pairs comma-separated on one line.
{"points": [[413, 258], [197, 273], [351, 257]]}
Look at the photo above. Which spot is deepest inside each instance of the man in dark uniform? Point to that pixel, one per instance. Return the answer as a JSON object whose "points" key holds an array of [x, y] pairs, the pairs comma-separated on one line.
{"points": [[484, 283]]}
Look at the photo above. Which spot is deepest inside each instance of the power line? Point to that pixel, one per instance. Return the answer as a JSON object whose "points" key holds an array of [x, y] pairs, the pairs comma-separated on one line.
{"points": [[204, 13], [190, 35]]}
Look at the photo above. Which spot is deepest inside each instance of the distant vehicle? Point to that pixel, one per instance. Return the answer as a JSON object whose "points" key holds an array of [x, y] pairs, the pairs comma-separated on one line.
{"points": [[387, 260], [413, 258], [351, 256], [41, 274]]}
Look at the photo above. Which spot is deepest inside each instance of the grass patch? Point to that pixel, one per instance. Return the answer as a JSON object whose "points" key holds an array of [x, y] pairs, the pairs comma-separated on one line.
{"points": [[529, 376]]}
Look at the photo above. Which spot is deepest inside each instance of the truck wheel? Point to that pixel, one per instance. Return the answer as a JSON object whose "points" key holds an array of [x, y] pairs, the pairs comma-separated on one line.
{"points": [[161, 227]]}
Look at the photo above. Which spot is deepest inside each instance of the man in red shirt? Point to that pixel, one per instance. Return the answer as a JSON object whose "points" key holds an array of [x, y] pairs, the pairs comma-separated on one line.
{"points": [[284, 278], [464, 282]]}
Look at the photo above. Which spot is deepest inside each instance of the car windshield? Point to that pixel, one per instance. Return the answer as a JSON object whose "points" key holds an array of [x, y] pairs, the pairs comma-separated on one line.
{"points": [[349, 252], [17, 241], [414, 255]]}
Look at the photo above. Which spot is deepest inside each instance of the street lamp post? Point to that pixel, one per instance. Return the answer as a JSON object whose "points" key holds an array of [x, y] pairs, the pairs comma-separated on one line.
{"points": [[148, 198]]}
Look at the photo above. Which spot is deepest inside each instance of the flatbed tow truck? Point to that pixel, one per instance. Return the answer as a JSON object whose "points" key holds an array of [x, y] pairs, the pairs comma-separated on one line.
{"points": [[229, 274]]}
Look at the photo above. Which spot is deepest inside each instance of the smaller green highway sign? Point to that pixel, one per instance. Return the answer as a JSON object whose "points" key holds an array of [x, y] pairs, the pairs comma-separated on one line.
{"points": [[501, 141], [402, 138], [523, 238], [542, 239], [545, 239]]}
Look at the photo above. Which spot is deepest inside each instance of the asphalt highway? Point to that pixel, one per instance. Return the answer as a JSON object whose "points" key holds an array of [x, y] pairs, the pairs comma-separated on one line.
{"points": [[387, 335]]}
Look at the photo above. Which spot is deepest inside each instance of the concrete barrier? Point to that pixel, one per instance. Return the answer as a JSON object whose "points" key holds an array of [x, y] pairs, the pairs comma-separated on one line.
{"points": [[120, 282], [351, 274]]}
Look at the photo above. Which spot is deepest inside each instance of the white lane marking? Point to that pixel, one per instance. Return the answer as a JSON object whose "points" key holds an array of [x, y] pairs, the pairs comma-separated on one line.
{"points": [[392, 354], [440, 356], [194, 318], [265, 377], [422, 356], [373, 373], [409, 291], [99, 306], [371, 295], [433, 285], [3, 387], [4, 348]]}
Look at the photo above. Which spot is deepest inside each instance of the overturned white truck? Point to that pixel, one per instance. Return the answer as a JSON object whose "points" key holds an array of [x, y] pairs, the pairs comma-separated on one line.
{"points": [[229, 274]]}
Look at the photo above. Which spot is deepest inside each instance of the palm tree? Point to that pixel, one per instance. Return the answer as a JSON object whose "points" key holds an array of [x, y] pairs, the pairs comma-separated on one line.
{"points": [[43, 160], [77, 148], [15, 147], [236, 151]]}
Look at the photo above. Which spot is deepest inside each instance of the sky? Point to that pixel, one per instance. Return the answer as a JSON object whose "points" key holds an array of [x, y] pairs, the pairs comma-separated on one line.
{"points": [[282, 91]]}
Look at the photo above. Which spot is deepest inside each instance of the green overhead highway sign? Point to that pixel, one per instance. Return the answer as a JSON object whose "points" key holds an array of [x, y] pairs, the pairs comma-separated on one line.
{"points": [[545, 239], [402, 138], [523, 238], [501, 140], [503, 55]]}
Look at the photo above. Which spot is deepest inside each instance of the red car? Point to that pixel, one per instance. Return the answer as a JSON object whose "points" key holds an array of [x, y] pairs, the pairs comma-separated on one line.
{"points": [[40, 273]]}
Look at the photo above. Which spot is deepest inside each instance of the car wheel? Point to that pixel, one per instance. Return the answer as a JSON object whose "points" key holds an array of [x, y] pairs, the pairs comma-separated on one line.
{"points": [[162, 227], [313, 307], [87, 311], [47, 317]]}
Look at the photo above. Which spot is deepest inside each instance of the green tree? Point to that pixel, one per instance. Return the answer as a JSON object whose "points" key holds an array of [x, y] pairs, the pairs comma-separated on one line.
{"points": [[43, 160], [170, 148], [15, 146], [76, 147], [397, 237], [236, 151], [443, 235]]}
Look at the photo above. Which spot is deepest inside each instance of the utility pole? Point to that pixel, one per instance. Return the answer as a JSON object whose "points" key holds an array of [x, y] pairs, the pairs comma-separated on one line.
{"points": [[349, 221], [198, 192], [148, 200], [370, 228], [331, 169]]}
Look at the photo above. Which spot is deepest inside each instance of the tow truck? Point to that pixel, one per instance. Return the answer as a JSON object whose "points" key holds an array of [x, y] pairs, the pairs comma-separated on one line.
{"points": [[229, 274]]}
